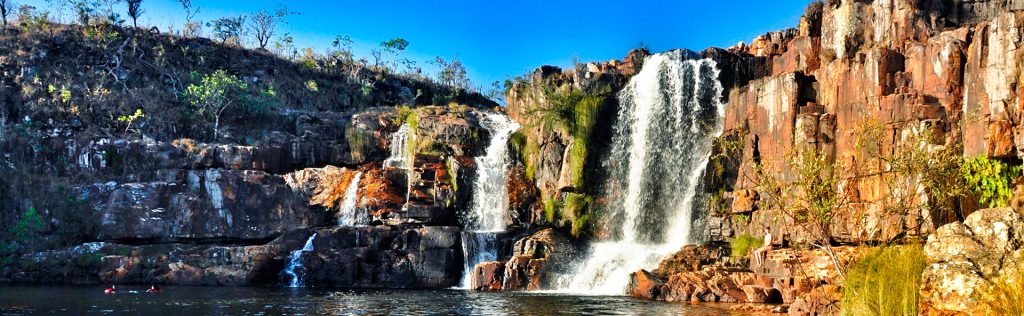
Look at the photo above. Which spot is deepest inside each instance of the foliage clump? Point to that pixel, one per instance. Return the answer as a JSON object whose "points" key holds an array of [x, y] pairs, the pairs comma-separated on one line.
{"points": [[885, 281], [743, 244], [990, 179]]}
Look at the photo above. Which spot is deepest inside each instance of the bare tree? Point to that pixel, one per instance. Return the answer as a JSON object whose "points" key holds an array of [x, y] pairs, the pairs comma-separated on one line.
{"points": [[5, 9], [134, 11], [262, 24], [191, 28]]}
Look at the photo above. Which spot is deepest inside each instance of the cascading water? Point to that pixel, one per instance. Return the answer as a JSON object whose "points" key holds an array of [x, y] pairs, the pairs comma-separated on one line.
{"points": [[348, 214], [294, 268], [399, 140], [662, 140], [486, 217]]}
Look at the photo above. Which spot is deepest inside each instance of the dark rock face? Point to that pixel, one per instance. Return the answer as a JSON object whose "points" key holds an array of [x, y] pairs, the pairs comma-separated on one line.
{"points": [[181, 205], [384, 257]]}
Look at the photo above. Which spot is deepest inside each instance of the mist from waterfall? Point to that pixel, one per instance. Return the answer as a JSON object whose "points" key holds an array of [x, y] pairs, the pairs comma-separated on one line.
{"points": [[486, 217], [669, 113]]}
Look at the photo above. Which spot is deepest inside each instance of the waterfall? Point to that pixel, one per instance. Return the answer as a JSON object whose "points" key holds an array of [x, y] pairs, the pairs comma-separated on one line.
{"points": [[294, 268], [668, 115], [486, 217], [348, 214], [399, 142]]}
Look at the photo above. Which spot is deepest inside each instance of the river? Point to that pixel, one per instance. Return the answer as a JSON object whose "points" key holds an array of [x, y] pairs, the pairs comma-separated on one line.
{"points": [[81, 300]]}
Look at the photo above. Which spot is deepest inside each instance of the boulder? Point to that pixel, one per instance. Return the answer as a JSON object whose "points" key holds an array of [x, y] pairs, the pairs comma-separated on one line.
{"points": [[963, 256]]}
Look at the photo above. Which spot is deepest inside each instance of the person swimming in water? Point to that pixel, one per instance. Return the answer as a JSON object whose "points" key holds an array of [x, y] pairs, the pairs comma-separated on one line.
{"points": [[110, 290], [153, 289]]}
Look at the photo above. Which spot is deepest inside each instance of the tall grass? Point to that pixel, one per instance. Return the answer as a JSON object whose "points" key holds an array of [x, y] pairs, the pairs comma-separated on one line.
{"points": [[885, 281], [742, 244], [1004, 294]]}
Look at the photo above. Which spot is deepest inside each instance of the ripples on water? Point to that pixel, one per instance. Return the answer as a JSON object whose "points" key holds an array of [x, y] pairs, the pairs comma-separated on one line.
{"points": [[276, 301]]}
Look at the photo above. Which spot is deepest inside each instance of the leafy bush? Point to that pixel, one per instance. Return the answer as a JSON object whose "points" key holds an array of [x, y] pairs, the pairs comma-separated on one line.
{"points": [[990, 179], [213, 94], [407, 114], [1004, 294], [742, 244], [885, 281], [28, 228]]}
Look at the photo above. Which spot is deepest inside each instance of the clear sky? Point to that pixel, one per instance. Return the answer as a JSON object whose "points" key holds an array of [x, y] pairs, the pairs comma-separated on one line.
{"points": [[497, 39]]}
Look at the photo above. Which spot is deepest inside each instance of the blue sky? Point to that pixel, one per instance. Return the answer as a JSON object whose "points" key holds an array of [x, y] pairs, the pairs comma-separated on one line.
{"points": [[497, 39]]}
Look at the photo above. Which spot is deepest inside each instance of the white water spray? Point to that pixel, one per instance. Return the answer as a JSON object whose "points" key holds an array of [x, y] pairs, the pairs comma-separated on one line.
{"points": [[486, 217], [668, 115]]}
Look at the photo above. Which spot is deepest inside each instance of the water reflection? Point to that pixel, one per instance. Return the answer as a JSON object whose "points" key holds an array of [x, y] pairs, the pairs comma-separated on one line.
{"points": [[17, 300]]}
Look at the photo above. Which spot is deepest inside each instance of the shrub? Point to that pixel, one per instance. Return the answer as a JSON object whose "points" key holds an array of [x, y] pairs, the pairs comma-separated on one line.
{"points": [[885, 281], [1004, 294], [576, 208], [990, 179], [742, 244], [407, 114], [213, 94]]}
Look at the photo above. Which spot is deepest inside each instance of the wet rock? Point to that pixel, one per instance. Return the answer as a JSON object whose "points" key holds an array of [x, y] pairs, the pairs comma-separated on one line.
{"points": [[487, 276], [385, 257]]}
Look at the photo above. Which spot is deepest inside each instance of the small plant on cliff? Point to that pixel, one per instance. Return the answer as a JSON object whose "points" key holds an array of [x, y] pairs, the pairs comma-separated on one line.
{"points": [[407, 114], [742, 244], [885, 281], [990, 179], [129, 119], [213, 94]]}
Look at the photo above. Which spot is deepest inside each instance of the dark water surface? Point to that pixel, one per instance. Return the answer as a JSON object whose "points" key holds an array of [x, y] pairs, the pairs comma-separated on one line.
{"points": [[76, 300]]}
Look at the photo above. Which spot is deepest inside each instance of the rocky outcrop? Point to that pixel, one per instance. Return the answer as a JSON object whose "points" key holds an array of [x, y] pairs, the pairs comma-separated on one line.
{"points": [[789, 277], [193, 205], [535, 259], [963, 257], [369, 257], [384, 257], [178, 264]]}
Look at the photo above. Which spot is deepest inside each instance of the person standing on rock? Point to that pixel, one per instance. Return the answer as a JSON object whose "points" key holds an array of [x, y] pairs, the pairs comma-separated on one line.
{"points": [[760, 254]]}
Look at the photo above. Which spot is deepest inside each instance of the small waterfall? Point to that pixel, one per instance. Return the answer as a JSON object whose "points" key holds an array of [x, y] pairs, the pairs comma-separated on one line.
{"points": [[348, 213], [661, 143], [295, 269], [486, 217], [399, 142]]}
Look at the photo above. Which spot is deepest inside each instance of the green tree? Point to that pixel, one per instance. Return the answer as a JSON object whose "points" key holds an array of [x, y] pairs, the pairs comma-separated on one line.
{"points": [[228, 29], [263, 24], [215, 93], [28, 228], [393, 48], [452, 73]]}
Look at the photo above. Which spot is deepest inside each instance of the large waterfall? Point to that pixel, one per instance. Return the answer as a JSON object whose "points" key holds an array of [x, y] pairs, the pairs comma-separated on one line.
{"points": [[661, 143], [486, 217], [348, 213]]}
